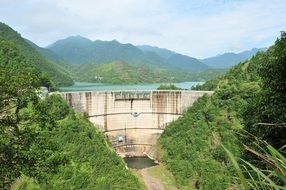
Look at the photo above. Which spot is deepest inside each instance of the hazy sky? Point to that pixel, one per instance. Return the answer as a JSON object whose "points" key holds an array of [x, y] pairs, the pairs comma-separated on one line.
{"points": [[198, 28]]}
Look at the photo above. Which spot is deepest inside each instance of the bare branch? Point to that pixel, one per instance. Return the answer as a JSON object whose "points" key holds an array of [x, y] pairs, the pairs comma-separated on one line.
{"points": [[271, 124], [261, 156], [7, 109]]}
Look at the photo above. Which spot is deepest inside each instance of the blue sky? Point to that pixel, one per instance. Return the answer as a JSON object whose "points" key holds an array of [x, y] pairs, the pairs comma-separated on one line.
{"points": [[198, 28]]}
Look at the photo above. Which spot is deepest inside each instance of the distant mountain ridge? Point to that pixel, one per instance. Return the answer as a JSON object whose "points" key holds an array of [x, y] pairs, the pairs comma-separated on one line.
{"points": [[165, 53], [50, 55], [118, 72], [80, 50], [228, 60]]}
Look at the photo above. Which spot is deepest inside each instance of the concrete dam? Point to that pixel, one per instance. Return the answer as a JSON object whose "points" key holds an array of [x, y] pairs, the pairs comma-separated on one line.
{"points": [[132, 120]]}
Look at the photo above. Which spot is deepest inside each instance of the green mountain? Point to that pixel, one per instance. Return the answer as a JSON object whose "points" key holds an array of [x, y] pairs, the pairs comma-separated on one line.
{"points": [[228, 60], [79, 50], [175, 60], [57, 74], [75, 50]]}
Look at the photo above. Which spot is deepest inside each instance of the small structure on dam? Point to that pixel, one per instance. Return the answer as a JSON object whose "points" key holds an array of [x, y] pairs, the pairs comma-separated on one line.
{"points": [[132, 120]]}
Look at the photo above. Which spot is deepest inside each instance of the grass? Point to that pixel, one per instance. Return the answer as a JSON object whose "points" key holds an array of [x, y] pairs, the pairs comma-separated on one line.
{"points": [[161, 173], [140, 178], [252, 177]]}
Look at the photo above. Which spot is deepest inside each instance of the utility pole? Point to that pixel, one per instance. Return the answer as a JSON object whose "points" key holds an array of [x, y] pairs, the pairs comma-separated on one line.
{"points": [[125, 134]]}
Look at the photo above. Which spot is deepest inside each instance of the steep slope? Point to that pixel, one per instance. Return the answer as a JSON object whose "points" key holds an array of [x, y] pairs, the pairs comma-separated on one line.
{"points": [[192, 144], [79, 50], [44, 143], [58, 75], [228, 60]]}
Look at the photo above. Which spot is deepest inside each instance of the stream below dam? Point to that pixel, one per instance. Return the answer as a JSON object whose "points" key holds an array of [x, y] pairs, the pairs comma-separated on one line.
{"points": [[139, 162]]}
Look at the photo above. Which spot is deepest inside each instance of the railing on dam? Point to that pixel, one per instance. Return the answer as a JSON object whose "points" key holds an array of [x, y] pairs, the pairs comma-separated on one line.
{"points": [[132, 95], [130, 113], [134, 128], [132, 145], [128, 142]]}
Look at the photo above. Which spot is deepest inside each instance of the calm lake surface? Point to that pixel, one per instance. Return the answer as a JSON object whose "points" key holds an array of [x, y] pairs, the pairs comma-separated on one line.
{"points": [[83, 86], [139, 162]]}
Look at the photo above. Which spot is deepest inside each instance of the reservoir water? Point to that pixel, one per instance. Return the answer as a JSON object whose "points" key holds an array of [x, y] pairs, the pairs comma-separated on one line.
{"points": [[139, 162], [84, 86]]}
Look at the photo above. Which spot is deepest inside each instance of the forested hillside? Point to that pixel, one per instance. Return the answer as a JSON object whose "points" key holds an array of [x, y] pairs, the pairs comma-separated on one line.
{"points": [[249, 99], [44, 144], [57, 74], [119, 72]]}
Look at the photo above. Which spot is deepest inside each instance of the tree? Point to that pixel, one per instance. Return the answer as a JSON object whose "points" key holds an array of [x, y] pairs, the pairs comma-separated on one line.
{"points": [[266, 114], [21, 145], [168, 87]]}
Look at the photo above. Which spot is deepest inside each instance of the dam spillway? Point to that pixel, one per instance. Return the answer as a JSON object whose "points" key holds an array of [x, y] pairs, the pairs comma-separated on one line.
{"points": [[133, 120]]}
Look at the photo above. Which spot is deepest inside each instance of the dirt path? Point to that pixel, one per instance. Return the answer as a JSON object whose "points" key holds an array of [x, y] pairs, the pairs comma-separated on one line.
{"points": [[151, 182]]}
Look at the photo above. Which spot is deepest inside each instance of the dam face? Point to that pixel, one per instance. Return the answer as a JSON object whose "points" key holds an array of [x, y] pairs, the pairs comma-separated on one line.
{"points": [[132, 120]]}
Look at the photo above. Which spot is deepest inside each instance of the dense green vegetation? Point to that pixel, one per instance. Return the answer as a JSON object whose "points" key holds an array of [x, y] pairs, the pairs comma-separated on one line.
{"points": [[119, 72], [192, 144], [44, 144], [269, 104], [54, 71], [250, 93], [168, 87]]}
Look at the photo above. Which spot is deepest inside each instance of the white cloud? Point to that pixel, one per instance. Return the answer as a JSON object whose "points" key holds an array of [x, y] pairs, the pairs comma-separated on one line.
{"points": [[197, 28]]}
